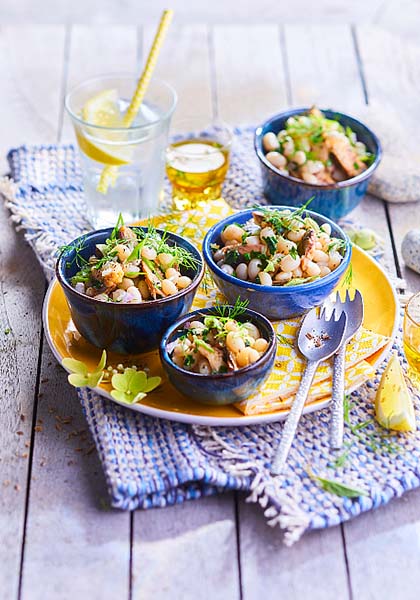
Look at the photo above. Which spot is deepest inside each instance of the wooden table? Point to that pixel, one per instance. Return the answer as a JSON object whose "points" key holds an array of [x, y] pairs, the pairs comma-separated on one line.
{"points": [[58, 539]]}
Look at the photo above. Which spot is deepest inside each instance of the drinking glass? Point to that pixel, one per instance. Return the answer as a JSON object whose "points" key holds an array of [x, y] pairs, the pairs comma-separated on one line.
{"points": [[411, 338], [197, 161], [136, 154]]}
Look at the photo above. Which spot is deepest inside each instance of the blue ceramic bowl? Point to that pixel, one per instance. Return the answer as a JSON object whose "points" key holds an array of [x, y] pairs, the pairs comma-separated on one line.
{"points": [[223, 388], [275, 302], [335, 200], [124, 328]]}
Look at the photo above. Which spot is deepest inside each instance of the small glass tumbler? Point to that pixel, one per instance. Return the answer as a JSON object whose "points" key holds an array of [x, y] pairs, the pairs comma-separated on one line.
{"points": [[135, 155], [411, 338], [197, 162]]}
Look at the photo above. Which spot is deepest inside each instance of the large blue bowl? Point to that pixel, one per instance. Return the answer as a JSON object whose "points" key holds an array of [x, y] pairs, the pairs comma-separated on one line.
{"points": [[124, 328], [275, 302], [335, 200], [223, 388]]}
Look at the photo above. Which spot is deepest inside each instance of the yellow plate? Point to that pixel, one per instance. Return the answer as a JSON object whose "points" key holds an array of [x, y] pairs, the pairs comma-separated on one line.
{"points": [[381, 316]]}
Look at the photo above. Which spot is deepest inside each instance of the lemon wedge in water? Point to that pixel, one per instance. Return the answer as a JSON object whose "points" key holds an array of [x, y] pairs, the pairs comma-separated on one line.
{"points": [[393, 405], [102, 110]]}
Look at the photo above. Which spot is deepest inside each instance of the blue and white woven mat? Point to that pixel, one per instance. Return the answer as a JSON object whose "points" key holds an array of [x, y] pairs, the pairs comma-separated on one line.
{"points": [[154, 463]]}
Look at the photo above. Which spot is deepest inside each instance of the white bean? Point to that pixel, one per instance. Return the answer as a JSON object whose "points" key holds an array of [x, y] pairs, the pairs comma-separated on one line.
{"points": [[288, 263], [335, 259], [123, 252], [270, 141], [326, 228], [296, 236], [312, 269], [267, 232], [172, 274], [284, 246], [242, 358], [297, 272], [276, 159], [183, 282], [232, 232], [254, 268], [260, 345], [197, 325], [252, 330], [135, 293], [231, 325], [133, 270], [288, 148], [320, 256], [242, 271], [234, 342], [324, 270], [218, 255], [80, 287], [265, 278], [149, 253], [313, 167], [168, 287], [283, 277], [251, 240], [126, 283], [309, 178], [253, 355], [165, 259], [299, 157], [102, 297], [227, 269]]}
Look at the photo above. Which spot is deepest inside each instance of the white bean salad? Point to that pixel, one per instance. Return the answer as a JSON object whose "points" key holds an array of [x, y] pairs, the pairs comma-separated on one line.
{"points": [[134, 265], [318, 150], [218, 343], [278, 247]]}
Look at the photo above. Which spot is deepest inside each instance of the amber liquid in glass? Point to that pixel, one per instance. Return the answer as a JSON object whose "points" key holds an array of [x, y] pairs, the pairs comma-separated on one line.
{"points": [[196, 168]]}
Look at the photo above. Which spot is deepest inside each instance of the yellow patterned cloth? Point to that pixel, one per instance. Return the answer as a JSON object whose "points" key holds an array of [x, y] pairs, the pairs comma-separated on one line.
{"points": [[279, 390]]}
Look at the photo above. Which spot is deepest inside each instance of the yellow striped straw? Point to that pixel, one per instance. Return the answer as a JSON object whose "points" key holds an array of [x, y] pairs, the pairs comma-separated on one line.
{"points": [[110, 173]]}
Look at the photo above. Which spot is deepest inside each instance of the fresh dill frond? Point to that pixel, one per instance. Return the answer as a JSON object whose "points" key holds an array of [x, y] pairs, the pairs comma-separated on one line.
{"points": [[77, 248], [224, 311]]}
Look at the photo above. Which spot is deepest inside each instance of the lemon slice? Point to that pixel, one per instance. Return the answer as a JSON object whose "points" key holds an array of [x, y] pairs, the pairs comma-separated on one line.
{"points": [[102, 110], [393, 404]]}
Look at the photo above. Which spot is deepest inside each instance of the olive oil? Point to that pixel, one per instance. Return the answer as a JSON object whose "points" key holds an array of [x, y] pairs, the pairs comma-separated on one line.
{"points": [[196, 168]]}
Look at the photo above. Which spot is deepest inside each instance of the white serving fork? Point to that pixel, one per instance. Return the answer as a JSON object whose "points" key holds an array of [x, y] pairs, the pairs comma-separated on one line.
{"points": [[353, 309]]}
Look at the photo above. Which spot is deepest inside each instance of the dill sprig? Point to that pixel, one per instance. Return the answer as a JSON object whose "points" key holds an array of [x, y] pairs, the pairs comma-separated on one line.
{"points": [[227, 312], [76, 247], [282, 221]]}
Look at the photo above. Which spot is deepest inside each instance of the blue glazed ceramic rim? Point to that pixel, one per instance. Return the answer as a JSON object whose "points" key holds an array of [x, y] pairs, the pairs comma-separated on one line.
{"points": [[60, 272], [254, 317], [336, 274], [329, 113]]}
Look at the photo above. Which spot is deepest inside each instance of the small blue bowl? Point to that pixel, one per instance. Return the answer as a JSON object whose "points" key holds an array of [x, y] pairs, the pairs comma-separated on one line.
{"points": [[223, 388], [275, 302], [124, 328], [335, 200]]}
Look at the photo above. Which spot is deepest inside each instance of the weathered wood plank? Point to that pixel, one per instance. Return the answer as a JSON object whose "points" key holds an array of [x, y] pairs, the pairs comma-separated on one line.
{"points": [[75, 548], [392, 68], [185, 64], [186, 551], [250, 80], [29, 104], [196, 537], [322, 66]]}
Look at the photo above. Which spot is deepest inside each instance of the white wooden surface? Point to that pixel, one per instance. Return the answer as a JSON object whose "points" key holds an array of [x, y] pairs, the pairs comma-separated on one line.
{"points": [[58, 540]]}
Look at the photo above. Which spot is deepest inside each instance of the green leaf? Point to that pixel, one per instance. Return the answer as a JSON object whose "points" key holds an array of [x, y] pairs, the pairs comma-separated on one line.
{"points": [[152, 383], [94, 379], [77, 380], [339, 489], [76, 366], [102, 362], [119, 395], [120, 382], [137, 383]]}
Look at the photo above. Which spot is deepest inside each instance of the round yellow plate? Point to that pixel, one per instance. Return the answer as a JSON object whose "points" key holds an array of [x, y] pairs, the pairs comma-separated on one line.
{"points": [[381, 316]]}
